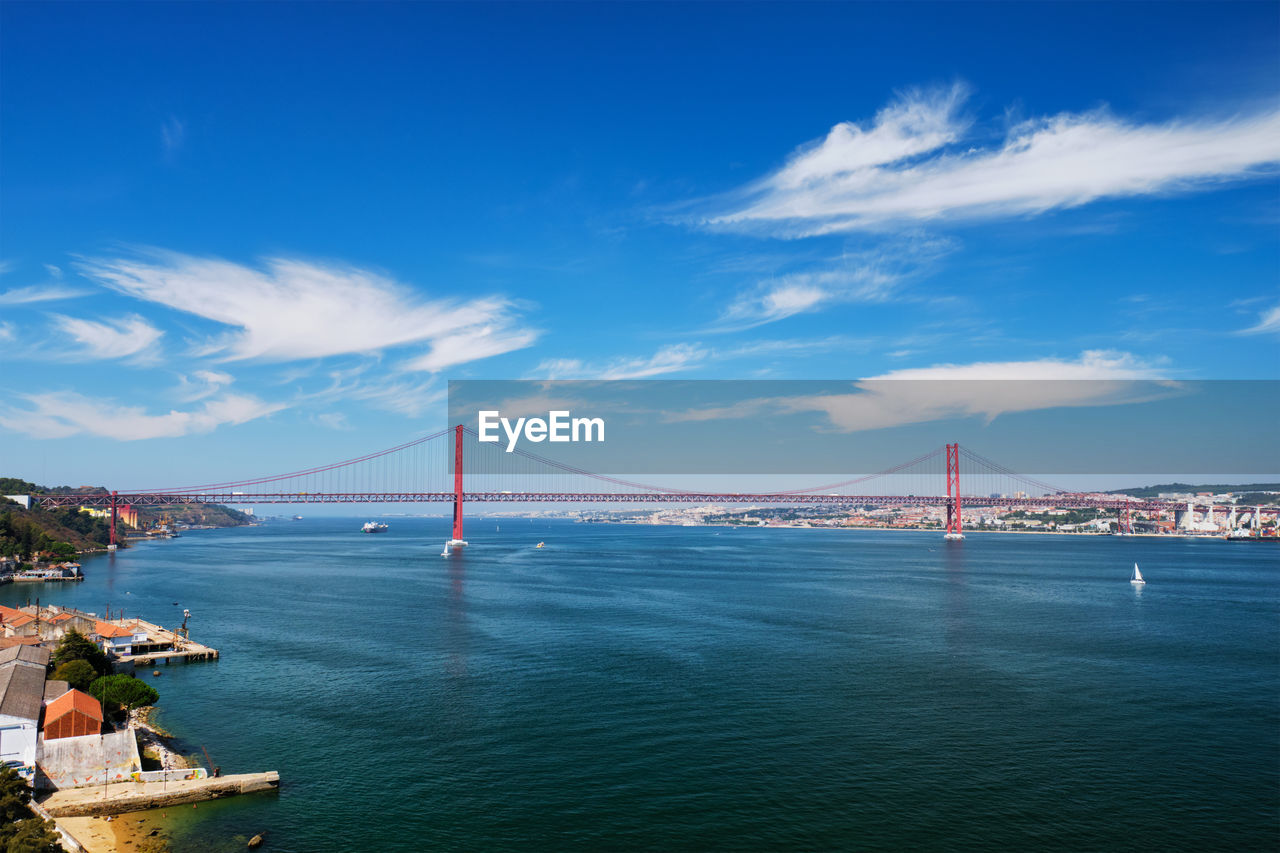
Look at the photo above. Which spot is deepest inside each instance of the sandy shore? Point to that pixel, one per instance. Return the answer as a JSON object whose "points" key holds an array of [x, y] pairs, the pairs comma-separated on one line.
{"points": [[127, 833]]}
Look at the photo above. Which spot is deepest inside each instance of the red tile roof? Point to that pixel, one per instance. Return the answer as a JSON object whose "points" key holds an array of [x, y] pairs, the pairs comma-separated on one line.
{"points": [[106, 629], [73, 700]]}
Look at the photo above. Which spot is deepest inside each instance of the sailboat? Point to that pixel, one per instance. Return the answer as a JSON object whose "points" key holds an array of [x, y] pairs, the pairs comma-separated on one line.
{"points": [[1137, 575]]}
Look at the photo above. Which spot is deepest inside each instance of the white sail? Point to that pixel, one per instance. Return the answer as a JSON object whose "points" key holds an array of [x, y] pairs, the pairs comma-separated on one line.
{"points": [[1137, 575]]}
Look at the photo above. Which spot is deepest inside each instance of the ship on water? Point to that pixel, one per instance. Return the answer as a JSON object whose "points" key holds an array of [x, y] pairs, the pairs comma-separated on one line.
{"points": [[373, 527]]}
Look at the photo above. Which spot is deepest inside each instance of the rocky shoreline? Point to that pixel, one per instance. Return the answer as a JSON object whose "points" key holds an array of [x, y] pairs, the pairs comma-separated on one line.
{"points": [[154, 739]]}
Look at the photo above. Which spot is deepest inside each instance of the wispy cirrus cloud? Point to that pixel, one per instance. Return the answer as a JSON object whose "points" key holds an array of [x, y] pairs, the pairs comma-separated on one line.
{"points": [[1268, 321], [874, 275], [293, 309], [471, 344], [672, 358], [676, 358], [917, 162], [173, 132], [202, 384], [985, 389], [123, 337], [62, 414], [39, 293]]}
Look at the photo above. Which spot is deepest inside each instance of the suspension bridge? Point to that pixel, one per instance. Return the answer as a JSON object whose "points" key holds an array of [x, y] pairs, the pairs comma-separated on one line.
{"points": [[453, 466]]}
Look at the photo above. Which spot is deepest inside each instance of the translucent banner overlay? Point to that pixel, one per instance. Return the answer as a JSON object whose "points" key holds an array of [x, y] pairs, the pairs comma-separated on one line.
{"points": [[784, 430]]}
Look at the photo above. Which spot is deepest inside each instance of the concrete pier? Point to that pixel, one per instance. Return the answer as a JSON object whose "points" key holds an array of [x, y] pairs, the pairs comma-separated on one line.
{"points": [[123, 797], [179, 648]]}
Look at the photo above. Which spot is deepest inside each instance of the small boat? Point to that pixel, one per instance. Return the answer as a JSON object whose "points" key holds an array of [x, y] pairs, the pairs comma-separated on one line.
{"points": [[540, 544], [1137, 575], [373, 527], [446, 551]]}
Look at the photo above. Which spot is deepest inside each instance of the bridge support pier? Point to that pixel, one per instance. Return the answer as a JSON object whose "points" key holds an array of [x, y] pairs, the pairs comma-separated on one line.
{"points": [[955, 525], [457, 541], [114, 516]]}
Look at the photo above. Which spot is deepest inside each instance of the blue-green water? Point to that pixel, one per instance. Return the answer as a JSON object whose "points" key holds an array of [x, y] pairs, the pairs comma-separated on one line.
{"points": [[688, 688]]}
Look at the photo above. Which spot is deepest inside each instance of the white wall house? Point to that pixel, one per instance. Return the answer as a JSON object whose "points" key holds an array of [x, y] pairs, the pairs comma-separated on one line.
{"points": [[118, 640], [21, 700]]}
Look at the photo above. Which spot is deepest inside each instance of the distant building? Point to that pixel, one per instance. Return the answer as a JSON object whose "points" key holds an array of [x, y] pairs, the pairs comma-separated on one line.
{"points": [[25, 500], [117, 638]]}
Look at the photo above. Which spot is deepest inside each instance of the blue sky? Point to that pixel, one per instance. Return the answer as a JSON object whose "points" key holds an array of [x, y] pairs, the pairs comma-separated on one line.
{"points": [[238, 238]]}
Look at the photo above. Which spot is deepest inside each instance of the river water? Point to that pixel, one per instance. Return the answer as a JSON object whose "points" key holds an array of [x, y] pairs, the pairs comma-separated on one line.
{"points": [[663, 688]]}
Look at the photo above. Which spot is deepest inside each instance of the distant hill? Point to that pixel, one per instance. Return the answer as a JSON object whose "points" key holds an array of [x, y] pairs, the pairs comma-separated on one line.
{"points": [[59, 533], [1193, 488], [64, 532]]}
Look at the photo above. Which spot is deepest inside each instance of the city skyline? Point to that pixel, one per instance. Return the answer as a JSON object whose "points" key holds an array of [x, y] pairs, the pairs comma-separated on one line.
{"points": [[279, 253]]}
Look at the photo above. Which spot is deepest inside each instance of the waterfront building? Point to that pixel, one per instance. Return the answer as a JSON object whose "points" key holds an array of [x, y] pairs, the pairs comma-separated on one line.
{"points": [[73, 714], [117, 639]]}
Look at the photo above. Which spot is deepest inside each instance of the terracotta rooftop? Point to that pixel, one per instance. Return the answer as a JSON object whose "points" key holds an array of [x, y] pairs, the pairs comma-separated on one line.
{"points": [[106, 629], [72, 700]]}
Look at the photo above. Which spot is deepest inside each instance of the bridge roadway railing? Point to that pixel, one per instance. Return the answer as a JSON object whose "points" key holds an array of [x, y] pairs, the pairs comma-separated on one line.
{"points": [[1061, 501]]}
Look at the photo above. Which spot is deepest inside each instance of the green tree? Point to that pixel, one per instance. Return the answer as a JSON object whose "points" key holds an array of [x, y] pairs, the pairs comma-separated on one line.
{"points": [[76, 646], [15, 793], [20, 830], [78, 673], [123, 690], [34, 835]]}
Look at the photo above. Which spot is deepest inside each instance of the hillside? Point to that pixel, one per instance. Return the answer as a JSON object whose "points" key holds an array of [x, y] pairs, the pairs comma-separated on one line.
{"points": [[59, 533], [62, 533], [1249, 492]]}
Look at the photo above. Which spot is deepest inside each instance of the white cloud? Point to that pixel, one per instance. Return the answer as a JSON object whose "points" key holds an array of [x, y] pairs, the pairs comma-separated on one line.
{"points": [[293, 309], [119, 338], [38, 293], [669, 359], [202, 384], [870, 276], [907, 166], [6, 331], [986, 389], [560, 368], [1268, 321], [62, 414], [678, 357], [389, 393], [333, 420], [470, 345], [1092, 364], [172, 134]]}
